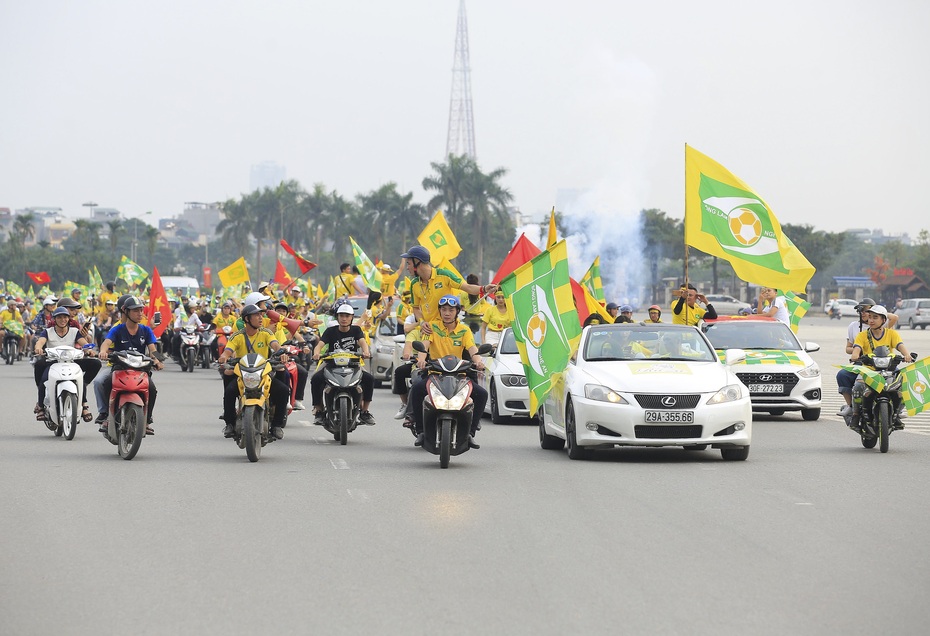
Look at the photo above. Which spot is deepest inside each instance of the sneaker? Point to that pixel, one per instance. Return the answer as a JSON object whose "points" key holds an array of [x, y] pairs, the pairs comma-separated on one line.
{"points": [[846, 410], [472, 443], [319, 418], [401, 412], [902, 413], [299, 405], [366, 418], [229, 431], [277, 432]]}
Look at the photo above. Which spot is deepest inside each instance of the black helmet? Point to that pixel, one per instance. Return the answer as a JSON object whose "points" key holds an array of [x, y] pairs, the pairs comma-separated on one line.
{"points": [[121, 301], [418, 252], [865, 302], [279, 306], [131, 303], [249, 310]]}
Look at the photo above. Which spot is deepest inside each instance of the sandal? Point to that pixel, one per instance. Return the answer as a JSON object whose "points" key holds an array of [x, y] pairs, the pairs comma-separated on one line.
{"points": [[149, 430], [86, 415], [38, 409]]}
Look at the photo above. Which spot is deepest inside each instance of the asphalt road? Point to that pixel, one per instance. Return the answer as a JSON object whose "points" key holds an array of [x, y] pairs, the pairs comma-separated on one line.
{"points": [[812, 535]]}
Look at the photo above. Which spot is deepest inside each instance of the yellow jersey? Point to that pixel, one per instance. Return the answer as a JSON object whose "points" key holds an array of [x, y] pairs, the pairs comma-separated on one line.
{"points": [[426, 293], [260, 343], [450, 343]]}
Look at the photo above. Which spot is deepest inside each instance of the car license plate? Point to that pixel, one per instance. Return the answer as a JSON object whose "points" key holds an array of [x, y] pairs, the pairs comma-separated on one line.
{"points": [[766, 388], [670, 417]]}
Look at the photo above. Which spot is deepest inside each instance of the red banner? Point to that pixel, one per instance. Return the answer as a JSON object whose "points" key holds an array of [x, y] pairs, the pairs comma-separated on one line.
{"points": [[39, 278], [304, 265], [281, 276], [158, 301]]}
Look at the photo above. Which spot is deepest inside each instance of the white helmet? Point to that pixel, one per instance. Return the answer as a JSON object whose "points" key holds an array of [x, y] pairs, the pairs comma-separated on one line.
{"points": [[254, 298], [345, 308], [878, 309]]}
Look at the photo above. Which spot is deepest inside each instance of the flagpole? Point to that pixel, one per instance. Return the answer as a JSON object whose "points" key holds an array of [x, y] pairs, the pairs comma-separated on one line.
{"points": [[685, 231]]}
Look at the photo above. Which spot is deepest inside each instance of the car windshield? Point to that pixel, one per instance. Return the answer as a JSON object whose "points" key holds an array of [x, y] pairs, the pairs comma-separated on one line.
{"points": [[751, 334], [508, 343], [605, 343]]}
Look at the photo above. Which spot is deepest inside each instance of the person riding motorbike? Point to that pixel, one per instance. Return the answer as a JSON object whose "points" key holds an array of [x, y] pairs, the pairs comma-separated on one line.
{"points": [[61, 335], [129, 335], [350, 338], [877, 335], [252, 338], [182, 319], [846, 379], [448, 337], [226, 318], [282, 334], [11, 313]]}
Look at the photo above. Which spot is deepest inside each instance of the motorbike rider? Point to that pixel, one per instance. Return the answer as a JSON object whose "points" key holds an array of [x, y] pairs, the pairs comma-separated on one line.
{"points": [[350, 338], [252, 338], [62, 335], [226, 318], [448, 337], [430, 284], [626, 314], [11, 313], [282, 334], [129, 335], [878, 334], [686, 311], [846, 379], [183, 319]]}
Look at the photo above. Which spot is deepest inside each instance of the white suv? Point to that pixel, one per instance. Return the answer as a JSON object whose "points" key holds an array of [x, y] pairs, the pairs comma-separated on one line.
{"points": [[914, 312]]}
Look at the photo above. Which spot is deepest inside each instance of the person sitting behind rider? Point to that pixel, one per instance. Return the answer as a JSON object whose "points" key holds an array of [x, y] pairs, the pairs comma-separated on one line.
{"points": [[349, 338], [448, 337], [496, 318], [282, 334], [655, 314], [626, 314], [62, 335], [878, 335], [685, 310], [129, 335], [252, 338]]}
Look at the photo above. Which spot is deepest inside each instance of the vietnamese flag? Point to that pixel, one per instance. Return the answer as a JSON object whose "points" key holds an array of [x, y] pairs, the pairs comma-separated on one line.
{"points": [[304, 265], [523, 251], [158, 301], [281, 276], [39, 278]]}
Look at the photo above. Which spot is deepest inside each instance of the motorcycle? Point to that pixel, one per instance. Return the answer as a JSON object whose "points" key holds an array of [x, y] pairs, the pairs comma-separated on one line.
{"points": [[342, 393], [207, 336], [835, 312], [129, 401], [190, 347], [11, 342], [448, 408], [64, 390], [254, 374], [873, 414]]}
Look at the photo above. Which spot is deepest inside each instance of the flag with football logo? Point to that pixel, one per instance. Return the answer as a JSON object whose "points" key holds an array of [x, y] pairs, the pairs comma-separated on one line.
{"points": [[545, 323], [873, 379], [130, 271], [438, 238], [797, 307], [724, 217], [370, 274], [234, 274], [915, 388], [592, 280]]}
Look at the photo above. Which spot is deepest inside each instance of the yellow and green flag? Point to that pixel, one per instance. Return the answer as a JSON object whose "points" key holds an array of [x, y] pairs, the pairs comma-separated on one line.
{"points": [[873, 379], [552, 238], [546, 324], [130, 271], [724, 217], [592, 280], [438, 238], [797, 307], [915, 388], [234, 274], [96, 281], [370, 274], [331, 291], [15, 290]]}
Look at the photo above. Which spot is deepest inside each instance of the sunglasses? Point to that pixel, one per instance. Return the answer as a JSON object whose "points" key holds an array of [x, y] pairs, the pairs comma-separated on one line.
{"points": [[451, 302]]}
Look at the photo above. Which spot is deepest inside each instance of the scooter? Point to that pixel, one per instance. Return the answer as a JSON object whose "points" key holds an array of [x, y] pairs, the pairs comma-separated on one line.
{"points": [[874, 412], [190, 347], [342, 393], [207, 336], [254, 374], [129, 401], [64, 390]]}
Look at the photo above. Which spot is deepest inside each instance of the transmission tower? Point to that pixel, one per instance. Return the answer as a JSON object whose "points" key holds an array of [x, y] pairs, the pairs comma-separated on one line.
{"points": [[460, 140]]}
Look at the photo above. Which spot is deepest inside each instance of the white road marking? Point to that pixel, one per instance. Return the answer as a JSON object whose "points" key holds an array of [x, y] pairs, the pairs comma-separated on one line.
{"points": [[358, 495], [339, 464]]}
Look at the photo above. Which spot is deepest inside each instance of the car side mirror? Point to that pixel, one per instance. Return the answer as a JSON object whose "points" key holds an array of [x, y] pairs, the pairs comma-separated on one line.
{"points": [[811, 346], [735, 356]]}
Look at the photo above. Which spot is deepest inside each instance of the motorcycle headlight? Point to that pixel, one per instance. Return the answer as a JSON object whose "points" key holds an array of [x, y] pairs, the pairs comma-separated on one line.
{"points": [[729, 393], [455, 403], [881, 363], [812, 371], [251, 379], [603, 394]]}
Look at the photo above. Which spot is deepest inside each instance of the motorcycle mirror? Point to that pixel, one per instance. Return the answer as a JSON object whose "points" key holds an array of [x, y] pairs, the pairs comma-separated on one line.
{"points": [[485, 349], [419, 346], [913, 356]]}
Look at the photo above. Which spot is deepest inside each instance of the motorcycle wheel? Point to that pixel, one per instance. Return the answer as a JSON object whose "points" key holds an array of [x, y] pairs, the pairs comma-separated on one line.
{"points": [[884, 426], [206, 359], [252, 432], [10, 352], [343, 421], [445, 442], [191, 359], [131, 430], [68, 414]]}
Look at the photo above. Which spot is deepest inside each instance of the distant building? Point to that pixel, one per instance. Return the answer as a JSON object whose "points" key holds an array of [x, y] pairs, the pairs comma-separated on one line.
{"points": [[202, 218], [267, 174], [878, 237]]}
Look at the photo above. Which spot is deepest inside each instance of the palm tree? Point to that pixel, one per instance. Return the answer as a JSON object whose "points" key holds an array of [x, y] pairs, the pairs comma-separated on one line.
{"points": [[235, 226], [85, 232], [450, 182], [377, 207], [116, 229], [404, 220], [24, 228], [150, 236], [488, 202]]}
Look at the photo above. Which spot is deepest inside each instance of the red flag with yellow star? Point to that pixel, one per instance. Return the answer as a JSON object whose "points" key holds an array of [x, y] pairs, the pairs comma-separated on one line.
{"points": [[158, 301]]}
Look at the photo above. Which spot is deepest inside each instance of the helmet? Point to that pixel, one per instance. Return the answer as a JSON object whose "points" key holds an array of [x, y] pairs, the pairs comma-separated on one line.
{"points": [[613, 306], [418, 252], [880, 310], [69, 302], [61, 311], [229, 304], [76, 289], [133, 302], [111, 302], [865, 302], [345, 308], [122, 300], [250, 310], [656, 307], [262, 285], [254, 298], [449, 300], [49, 300], [279, 306], [626, 309]]}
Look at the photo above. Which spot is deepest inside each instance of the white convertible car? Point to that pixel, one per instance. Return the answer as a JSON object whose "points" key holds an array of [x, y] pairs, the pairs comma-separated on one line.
{"points": [[648, 385], [505, 381]]}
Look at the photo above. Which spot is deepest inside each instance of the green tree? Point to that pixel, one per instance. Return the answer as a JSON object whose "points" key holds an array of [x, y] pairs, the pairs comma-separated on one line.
{"points": [[235, 227], [488, 201], [116, 229], [450, 182]]}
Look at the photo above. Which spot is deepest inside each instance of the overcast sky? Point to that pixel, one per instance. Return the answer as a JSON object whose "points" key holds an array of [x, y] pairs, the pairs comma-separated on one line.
{"points": [[823, 107]]}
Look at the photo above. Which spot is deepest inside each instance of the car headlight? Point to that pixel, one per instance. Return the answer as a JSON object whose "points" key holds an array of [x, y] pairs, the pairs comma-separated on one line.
{"points": [[812, 371], [388, 349], [729, 393], [513, 380], [603, 394], [251, 379], [455, 403]]}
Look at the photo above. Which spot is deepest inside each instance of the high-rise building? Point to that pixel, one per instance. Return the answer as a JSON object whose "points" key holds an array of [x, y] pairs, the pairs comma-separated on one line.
{"points": [[267, 174]]}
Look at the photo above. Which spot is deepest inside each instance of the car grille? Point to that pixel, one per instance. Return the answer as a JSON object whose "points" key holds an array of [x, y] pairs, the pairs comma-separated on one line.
{"points": [[644, 431], [655, 401], [787, 379]]}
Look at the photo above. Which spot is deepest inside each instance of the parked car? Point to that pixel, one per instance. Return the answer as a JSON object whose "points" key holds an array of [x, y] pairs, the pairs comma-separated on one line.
{"points": [[648, 385], [505, 381], [726, 305], [382, 351], [914, 312], [779, 373], [847, 306]]}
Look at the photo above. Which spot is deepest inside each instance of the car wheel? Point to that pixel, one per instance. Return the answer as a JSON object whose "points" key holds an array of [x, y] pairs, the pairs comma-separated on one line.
{"points": [[910, 323], [546, 441], [496, 416], [735, 454], [574, 450], [810, 415]]}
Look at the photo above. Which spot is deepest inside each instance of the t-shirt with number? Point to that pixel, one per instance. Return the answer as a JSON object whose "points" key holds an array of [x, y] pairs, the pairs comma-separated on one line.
{"points": [[450, 342], [426, 293], [243, 344], [869, 343], [347, 341]]}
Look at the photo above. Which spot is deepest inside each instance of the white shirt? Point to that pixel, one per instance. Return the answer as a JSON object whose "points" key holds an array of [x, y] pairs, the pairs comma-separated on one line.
{"points": [[781, 313]]}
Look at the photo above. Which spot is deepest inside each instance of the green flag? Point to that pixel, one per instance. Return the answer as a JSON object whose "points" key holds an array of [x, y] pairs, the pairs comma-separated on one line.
{"points": [[370, 274], [873, 379], [592, 280], [15, 326], [546, 325], [915, 388], [130, 271], [797, 307]]}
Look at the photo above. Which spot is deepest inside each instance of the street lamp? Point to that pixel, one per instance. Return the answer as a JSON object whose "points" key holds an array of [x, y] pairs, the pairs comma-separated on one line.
{"points": [[91, 205], [135, 235]]}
